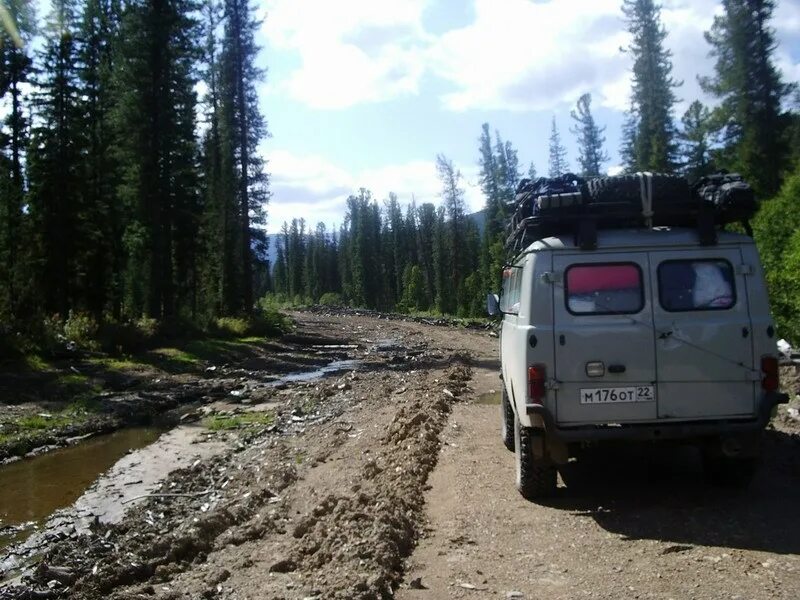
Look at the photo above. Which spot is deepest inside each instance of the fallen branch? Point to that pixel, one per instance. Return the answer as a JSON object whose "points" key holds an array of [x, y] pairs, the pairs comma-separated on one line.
{"points": [[168, 495]]}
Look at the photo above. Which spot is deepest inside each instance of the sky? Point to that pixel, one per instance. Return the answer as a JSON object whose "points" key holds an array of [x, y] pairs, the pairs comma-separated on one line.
{"points": [[366, 93]]}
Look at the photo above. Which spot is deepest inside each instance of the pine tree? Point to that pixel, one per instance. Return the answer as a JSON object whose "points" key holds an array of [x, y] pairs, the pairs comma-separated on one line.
{"points": [[100, 249], [426, 234], [590, 138], [15, 69], [750, 91], [695, 142], [489, 174], [532, 171], [155, 145], [649, 139], [507, 173], [558, 154], [244, 128], [453, 235], [219, 230], [55, 165]]}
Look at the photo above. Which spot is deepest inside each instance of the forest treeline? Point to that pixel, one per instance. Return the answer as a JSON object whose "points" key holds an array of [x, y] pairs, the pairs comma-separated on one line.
{"points": [[132, 189], [125, 194], [429, 258]]}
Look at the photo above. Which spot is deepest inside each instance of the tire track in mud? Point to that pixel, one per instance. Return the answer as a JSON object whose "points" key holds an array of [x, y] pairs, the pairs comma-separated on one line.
{"points": [[350, 541], [356, 544]]}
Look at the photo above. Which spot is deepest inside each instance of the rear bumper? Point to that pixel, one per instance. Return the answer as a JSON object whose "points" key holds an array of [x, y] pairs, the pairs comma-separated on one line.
{"points": [[659, 431]]}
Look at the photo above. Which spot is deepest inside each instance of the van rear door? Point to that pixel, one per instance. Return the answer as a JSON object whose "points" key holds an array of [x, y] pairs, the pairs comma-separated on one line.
{"points": [[704, 348], [604, 338]]}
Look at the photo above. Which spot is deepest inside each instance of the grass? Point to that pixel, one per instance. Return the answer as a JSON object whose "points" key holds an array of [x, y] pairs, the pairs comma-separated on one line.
{"points": [[35, 362], [118, 364], [15, 429], [240, 421]]}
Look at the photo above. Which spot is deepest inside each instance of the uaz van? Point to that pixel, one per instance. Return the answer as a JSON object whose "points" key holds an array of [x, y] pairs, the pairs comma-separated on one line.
{"points": [[646, 335]]}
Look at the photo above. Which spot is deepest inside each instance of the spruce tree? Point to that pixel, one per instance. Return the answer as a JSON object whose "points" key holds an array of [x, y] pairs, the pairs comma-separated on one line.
{"points": [[155, 146], [100, 249], [695, 141], [15, 69], [591, 154], [452, 263], [558, 154], [55, 165], [650, 136], [532, 171], [750, 90], [244, 129]]}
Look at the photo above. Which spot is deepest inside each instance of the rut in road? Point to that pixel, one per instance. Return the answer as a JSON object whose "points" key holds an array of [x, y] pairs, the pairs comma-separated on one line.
{"points": [[327, 505]]}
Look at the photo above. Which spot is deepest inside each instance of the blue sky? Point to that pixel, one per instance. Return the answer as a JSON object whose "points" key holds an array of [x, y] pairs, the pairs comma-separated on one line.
{"points": [[365, 93]]}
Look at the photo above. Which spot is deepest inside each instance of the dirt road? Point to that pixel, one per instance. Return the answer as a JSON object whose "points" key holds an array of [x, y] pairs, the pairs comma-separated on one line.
{"points": [[391, 481]]}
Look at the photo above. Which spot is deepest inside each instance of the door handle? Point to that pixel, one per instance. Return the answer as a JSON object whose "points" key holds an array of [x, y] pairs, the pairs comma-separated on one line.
{"points": [[616, 369]]}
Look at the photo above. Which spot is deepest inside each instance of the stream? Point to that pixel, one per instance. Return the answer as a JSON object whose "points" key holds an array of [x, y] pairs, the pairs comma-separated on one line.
{"points": [[33, 489]]}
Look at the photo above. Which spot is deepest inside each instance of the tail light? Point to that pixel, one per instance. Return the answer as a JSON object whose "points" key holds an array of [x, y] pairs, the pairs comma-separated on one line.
{"points": [[536, 383], [769, 368]]}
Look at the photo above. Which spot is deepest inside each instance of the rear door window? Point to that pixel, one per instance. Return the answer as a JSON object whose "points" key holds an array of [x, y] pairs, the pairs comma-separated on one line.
{"points": [[685, 285], [512, 290], [604, 289]]}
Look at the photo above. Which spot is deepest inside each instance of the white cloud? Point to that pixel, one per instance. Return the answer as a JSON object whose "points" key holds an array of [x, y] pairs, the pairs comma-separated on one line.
{"points": [[316, 189], [516, 55], [351, 51]]}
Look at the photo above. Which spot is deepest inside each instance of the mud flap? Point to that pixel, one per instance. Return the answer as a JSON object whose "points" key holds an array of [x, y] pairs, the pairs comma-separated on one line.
{"points": [[547, 448], [743, 445]]}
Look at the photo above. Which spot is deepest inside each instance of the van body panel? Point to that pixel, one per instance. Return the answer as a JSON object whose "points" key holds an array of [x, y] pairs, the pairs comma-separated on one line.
{"points": [[522, 343], [704, 348], [625, 341]]}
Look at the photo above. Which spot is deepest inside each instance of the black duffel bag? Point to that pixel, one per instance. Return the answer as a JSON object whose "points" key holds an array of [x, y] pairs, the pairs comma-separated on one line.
{"points": [[529, 191], [731, 197]]}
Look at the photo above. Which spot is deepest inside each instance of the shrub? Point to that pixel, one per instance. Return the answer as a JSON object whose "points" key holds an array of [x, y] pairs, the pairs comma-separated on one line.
{"points": [[50, 334], [147, 327], [81, 329], [331, 299], [774, 229], [231, 327]]}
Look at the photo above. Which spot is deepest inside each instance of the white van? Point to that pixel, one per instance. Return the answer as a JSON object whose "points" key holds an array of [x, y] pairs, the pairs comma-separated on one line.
{"points": [[649, 336]]}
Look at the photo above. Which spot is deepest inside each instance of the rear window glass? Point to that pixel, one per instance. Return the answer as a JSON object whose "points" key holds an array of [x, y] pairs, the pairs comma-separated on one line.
{"points": [[600, 289], [696, 285], [512, 290]]}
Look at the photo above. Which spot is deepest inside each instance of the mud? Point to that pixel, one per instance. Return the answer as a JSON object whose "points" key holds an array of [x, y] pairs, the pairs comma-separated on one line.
{"points": [[390, 480]]}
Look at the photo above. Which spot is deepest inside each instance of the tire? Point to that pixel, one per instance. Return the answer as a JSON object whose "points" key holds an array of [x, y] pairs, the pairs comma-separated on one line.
{"points": [[536, 478], [727, 472], [506, 421], [628, 189]]}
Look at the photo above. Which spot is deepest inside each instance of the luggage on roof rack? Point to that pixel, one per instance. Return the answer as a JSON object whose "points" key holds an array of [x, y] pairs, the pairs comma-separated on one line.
{"points": [[571, 204]]}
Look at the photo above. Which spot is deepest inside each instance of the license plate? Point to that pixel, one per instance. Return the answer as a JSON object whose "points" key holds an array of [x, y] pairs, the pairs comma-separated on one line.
{"points": [[639, 393]]}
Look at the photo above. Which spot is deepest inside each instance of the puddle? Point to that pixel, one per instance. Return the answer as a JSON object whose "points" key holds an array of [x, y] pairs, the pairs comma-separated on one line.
{"points": [[99, 479], [34, 488], [489, 398], [336, 366]]}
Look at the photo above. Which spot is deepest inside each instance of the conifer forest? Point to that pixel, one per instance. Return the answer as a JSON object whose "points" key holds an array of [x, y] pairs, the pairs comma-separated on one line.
{"points": [[133, 192]]}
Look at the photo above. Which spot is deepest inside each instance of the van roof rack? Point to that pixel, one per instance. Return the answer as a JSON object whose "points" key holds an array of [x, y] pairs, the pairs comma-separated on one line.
{"points": [[571, 205]]}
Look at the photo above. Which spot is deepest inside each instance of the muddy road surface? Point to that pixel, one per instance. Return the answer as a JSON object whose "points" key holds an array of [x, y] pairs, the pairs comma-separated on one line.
{"points": [[389, 479]]}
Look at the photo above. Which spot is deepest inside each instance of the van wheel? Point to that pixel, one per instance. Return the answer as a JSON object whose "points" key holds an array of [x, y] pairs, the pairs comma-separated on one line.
{"points": [[729, 472], [506, 421], [536, 478]]}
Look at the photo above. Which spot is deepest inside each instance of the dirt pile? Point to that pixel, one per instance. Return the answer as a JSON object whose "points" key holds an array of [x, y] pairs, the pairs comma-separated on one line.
{"points": [[355, 544]]}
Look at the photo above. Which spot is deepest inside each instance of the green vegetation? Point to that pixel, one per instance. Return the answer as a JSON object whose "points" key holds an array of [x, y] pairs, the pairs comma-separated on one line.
{"points": [[132, 210], [23, 426], [122, 220], [777, 232], [239, 421]]}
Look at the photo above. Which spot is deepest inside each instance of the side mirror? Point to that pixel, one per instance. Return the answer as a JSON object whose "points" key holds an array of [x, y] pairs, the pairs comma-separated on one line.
{"points": [[493, 305]]}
